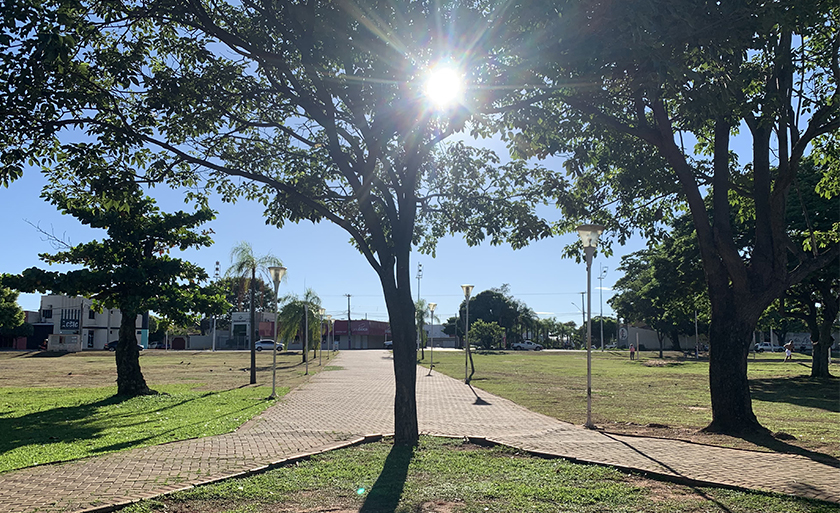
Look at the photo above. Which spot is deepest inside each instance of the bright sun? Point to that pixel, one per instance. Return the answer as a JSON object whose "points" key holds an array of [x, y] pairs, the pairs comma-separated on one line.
{"points": [[443, 86]]}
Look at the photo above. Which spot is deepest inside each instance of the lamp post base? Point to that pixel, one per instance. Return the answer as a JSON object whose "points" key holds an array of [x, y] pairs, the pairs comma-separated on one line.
{"points": [[590, 425]]}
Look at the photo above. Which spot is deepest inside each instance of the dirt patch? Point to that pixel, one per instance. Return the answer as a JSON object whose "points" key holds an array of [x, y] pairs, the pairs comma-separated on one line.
{"points": [[221, 370], [662, 491], [661, 363]]}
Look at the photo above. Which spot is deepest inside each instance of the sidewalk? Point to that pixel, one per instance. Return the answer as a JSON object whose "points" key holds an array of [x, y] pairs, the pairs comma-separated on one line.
{"points": [[338, 408]]}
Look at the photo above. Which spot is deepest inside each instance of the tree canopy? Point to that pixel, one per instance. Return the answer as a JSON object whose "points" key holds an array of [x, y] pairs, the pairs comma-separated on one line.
{"points": [[315, 109], [647, 100], [130, 269]]}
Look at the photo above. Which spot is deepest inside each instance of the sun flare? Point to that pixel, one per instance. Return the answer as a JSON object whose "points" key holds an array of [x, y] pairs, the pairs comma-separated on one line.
{"points": [[443, 86]]}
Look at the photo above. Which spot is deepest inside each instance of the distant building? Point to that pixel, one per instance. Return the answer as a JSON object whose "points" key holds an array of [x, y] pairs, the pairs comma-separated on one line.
{"points": [[363, 334], [74, 316], [436, 336]]}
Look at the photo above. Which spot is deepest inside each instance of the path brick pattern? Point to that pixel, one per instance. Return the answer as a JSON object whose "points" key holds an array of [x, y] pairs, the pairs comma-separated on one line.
{"points": [[341, 406]]}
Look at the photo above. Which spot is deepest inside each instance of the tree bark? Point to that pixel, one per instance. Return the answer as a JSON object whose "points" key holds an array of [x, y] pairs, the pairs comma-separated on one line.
{"points": [[821, 349], [730, 393], [400, 312], [130, 381]]}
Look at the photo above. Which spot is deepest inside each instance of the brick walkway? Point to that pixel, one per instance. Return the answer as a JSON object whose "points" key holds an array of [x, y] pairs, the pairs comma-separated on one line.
{"points": [[338, 408]]}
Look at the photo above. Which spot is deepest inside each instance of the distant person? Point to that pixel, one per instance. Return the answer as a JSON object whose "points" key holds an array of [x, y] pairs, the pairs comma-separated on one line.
{"points": [[632, 352], [788, 351]]}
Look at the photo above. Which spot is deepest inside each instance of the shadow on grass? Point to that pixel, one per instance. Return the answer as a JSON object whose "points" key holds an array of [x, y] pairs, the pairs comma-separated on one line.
{"points": [[52, 426], [678, 477], [73, 423], [821, 393], [384, 495], [48, 354]]}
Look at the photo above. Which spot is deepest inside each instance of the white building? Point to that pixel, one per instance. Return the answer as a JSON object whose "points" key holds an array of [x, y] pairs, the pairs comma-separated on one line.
{"points": [[74, 316]]}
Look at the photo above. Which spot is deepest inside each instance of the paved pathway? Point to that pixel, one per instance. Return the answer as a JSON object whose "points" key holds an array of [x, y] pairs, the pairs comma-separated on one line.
{"points": [[338, 408]]}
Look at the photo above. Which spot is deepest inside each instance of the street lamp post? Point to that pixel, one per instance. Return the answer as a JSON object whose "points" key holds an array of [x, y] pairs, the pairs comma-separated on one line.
{"points": [[589, 234], [467, 291], [601, 296], [321, 311], [432, 307], [329, 335], [277, 273], [305, 340]]}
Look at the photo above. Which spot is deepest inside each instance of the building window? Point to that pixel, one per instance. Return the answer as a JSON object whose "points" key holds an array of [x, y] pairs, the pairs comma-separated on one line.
{"points": [[91, 314], [90, 339], [47, 314]]}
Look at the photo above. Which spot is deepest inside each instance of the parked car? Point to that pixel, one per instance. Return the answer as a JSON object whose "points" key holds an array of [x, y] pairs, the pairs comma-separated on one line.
{"points": [[526, 345], [268, 344], [112, 346], [767, 346], [389, 344]]}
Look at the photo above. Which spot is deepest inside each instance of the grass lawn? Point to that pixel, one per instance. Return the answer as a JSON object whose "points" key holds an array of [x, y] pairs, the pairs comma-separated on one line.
{"points": [[451, 476], [668, 397], [62, 407]]}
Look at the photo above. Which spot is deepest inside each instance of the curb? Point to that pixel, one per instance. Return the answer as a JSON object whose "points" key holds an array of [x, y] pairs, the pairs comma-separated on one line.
{"points": [[361, 440]]}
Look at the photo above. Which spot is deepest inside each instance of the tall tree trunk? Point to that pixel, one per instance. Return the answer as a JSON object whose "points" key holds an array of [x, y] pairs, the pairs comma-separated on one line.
{"points": [[730, 392], [253, 334], [401, 312], [130, 381], [830, 306]]}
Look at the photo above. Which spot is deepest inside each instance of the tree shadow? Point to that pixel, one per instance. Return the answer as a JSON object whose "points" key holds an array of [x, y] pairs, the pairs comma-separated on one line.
{"points": [[384, 495], [48, 354], [821, 393], [766, 439], [72, 423], [52, 426]]}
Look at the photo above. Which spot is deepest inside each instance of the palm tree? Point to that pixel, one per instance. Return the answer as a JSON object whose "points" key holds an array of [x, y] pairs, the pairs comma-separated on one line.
{"points": [[292, 320], [246, 265]]}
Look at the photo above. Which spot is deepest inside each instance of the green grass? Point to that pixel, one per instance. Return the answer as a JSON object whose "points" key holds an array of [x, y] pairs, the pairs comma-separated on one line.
{"points": [[45, 425], [450, 476], [628, 395]]}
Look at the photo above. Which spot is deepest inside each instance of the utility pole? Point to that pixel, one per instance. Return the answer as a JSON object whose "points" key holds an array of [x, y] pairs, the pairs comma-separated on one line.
{"points": [[216, 282], [419, 275], [601, 292], [349, 329]]}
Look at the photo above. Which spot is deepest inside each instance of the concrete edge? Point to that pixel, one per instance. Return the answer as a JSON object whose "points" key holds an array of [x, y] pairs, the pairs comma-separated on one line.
{"points": [[364, 439], [659, 476]]}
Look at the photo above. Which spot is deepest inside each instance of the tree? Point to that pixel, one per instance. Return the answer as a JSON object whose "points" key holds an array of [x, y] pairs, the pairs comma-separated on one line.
{"points": [[295, 315], [622, 88], [486, 334], [237, 292], [245, 265], [11, 315], [316, 109], [130, 269], [495, 305], [454, 328]]}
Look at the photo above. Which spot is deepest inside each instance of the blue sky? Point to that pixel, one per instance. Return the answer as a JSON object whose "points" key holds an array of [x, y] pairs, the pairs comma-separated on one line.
{"points": [[319, 256]]}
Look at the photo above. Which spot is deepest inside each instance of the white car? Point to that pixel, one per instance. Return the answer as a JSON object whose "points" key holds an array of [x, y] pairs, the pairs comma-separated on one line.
{"points": [[767, 346], [389, 344], [526, 345], [268, 345]]}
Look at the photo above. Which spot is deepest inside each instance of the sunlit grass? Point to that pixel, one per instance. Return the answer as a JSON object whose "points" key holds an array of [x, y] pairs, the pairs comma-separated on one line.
{"points": [[673, 392], [48, 425], [450, 476]]}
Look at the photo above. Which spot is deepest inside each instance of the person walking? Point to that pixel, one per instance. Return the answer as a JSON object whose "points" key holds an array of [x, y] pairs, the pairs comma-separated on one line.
{"points": [[788, 351], [632, 352]]}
